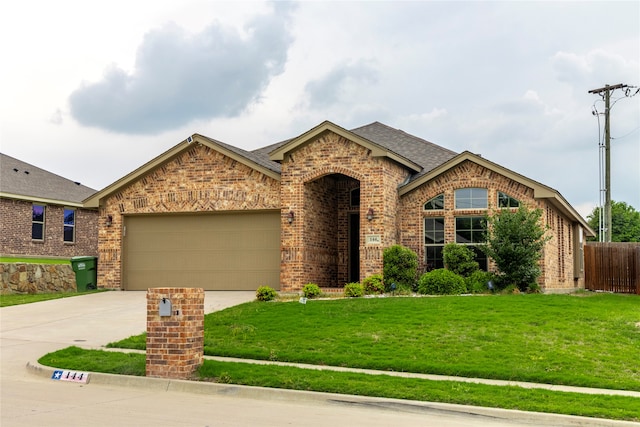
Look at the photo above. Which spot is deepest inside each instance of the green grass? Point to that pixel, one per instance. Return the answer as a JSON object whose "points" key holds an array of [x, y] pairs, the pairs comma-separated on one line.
{"points": [[589, 340], [592, 340], [17, 299], [35, 260], [601, 406]]}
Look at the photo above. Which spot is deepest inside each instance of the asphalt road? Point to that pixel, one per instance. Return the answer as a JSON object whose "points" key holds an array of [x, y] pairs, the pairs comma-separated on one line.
{"points": [[91, 321]]}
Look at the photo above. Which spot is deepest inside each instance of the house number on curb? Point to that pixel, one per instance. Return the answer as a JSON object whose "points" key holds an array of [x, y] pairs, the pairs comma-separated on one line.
{"points": [[73, 376]]}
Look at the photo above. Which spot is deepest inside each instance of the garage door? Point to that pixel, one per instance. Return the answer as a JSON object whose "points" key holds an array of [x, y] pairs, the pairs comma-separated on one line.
{"points": [[236, 251]]}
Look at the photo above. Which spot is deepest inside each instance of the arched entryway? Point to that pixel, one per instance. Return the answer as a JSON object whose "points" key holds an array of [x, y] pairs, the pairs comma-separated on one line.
{"points": [[332, 230]]}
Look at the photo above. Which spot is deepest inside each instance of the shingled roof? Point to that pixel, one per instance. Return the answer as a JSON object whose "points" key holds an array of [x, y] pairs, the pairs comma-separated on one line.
{"points": [[417, 150], [21, 180], [425, 153]]}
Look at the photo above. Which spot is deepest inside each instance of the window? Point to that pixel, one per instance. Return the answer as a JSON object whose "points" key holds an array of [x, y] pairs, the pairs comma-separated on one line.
{"points": [[471, 198], [69, 225], [354, 197], [37, 222], [437, 203], [433, 242], [470, 231], [506, 201]]}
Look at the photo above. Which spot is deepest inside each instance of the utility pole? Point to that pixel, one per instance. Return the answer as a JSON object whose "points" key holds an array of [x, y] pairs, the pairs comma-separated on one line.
{"points": [[605, 226]]}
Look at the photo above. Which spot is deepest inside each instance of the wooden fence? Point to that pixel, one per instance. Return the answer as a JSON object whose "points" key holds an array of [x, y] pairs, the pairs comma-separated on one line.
{"points": [[612, 267]]}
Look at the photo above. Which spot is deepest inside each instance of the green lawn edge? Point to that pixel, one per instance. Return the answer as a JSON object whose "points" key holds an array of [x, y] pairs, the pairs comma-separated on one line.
{"points": [[7, 300], [293, 378]]}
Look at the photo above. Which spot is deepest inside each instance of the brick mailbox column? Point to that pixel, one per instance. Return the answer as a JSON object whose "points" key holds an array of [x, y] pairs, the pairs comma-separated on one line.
{"points": [[175, 332]]}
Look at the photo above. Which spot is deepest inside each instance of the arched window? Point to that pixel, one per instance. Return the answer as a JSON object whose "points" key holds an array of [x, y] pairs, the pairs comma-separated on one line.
{"points": [[506, 201], [437, 203]]}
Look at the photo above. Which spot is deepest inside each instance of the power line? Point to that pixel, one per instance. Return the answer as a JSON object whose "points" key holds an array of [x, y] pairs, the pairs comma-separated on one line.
{"points": [[605, 92]]}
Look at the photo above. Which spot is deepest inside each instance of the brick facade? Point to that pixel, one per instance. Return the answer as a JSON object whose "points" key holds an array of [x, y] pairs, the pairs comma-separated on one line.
{"points": [[175, 343], [197, 180], [558, 258], [315, 185], [329, 240], [16, 221]]}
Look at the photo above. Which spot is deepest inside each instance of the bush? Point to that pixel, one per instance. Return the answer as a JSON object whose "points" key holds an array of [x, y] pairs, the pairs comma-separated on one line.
{"points": [[265, 293], [373, 285], [459, 259], [477, 282], [353, 290], [515, 240], [441, 282], [311, 290], [534, 288], [400, 266]]}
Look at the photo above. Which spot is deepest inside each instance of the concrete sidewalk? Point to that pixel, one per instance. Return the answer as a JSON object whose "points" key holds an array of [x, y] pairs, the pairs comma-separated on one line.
{"points": [[91, 321]]}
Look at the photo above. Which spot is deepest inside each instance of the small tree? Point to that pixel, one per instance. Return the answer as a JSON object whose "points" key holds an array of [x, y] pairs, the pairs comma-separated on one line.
{"points": [[459, 259], [515, 240], [400, 266]]}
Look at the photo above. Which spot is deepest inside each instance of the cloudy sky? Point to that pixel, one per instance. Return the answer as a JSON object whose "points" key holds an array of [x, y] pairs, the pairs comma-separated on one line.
{"points": [[93, 89]]}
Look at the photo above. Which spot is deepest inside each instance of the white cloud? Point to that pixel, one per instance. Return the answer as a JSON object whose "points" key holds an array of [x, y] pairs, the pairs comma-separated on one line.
{"points": [[179, 77]]}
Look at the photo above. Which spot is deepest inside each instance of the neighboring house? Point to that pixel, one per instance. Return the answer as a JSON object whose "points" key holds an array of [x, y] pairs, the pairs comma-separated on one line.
{"points": [[41, 213], [319, 208]]}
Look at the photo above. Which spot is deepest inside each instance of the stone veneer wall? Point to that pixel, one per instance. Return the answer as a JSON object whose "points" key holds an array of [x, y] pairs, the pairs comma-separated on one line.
{"points": [[23, 278], [175, 343], [198, 180], [557, 267]]}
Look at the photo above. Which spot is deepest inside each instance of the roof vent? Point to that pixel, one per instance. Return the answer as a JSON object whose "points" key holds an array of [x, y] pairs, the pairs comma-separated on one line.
{"points": [[26, 172], [76, 183], [15, 169]]}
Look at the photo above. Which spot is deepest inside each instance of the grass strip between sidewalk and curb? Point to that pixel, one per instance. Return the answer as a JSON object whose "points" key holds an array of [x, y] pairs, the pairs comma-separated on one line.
{"points": [[294, 378]]}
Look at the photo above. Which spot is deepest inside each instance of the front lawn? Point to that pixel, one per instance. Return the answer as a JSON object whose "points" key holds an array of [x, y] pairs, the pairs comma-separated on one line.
{"points": [[589, 340]]}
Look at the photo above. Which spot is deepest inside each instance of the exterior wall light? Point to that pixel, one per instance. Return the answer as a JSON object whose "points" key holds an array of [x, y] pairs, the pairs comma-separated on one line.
{"points": [[290, 216], [109, 220], [370, 214]]}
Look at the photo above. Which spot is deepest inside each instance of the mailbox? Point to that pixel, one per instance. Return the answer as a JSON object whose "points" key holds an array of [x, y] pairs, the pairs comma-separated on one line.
{"points": [[165, 307]]}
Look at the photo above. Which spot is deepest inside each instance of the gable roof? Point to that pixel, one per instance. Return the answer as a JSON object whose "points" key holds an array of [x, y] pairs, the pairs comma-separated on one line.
{"points": [[427, 154], [23, 181], [245, 157], [379, 145], [540, 191]]}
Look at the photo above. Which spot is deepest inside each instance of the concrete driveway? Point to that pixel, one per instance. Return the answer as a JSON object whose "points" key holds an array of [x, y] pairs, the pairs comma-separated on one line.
{"points": [[91, 321]]}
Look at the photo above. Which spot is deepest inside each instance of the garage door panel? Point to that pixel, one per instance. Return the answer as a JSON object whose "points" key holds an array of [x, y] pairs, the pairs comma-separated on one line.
{"points": [[215, 252]]}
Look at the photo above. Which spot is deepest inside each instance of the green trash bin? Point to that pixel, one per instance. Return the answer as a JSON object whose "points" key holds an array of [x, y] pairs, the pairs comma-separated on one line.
{"points": [[86, 271]]}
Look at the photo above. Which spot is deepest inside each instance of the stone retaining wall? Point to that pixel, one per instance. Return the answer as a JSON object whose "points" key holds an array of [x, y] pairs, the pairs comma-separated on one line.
{"points": [[23, 278]]}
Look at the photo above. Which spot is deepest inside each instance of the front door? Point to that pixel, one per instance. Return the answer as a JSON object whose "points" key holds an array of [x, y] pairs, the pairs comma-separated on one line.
{"points": [[354, 247]]}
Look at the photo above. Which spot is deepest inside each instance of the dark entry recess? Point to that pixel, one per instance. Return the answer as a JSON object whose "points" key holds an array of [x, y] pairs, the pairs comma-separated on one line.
{"points": [[354, 247]]}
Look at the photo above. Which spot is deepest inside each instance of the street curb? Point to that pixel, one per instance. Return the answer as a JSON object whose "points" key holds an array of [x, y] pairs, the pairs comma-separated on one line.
{"points": [[275, 394]]}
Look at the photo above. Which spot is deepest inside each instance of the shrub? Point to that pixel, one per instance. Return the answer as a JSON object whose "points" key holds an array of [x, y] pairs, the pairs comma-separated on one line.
{"points": [[373, 284], [477, 282], [534, 288], [265, 293], [459, 259], [353, 290], [311, 290], [441, 282], [515, 240], [400, 266]]}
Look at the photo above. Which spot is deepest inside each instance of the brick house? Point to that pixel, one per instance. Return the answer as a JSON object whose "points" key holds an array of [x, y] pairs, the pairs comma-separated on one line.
{"points": [[42, 215], [320, 208]]}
